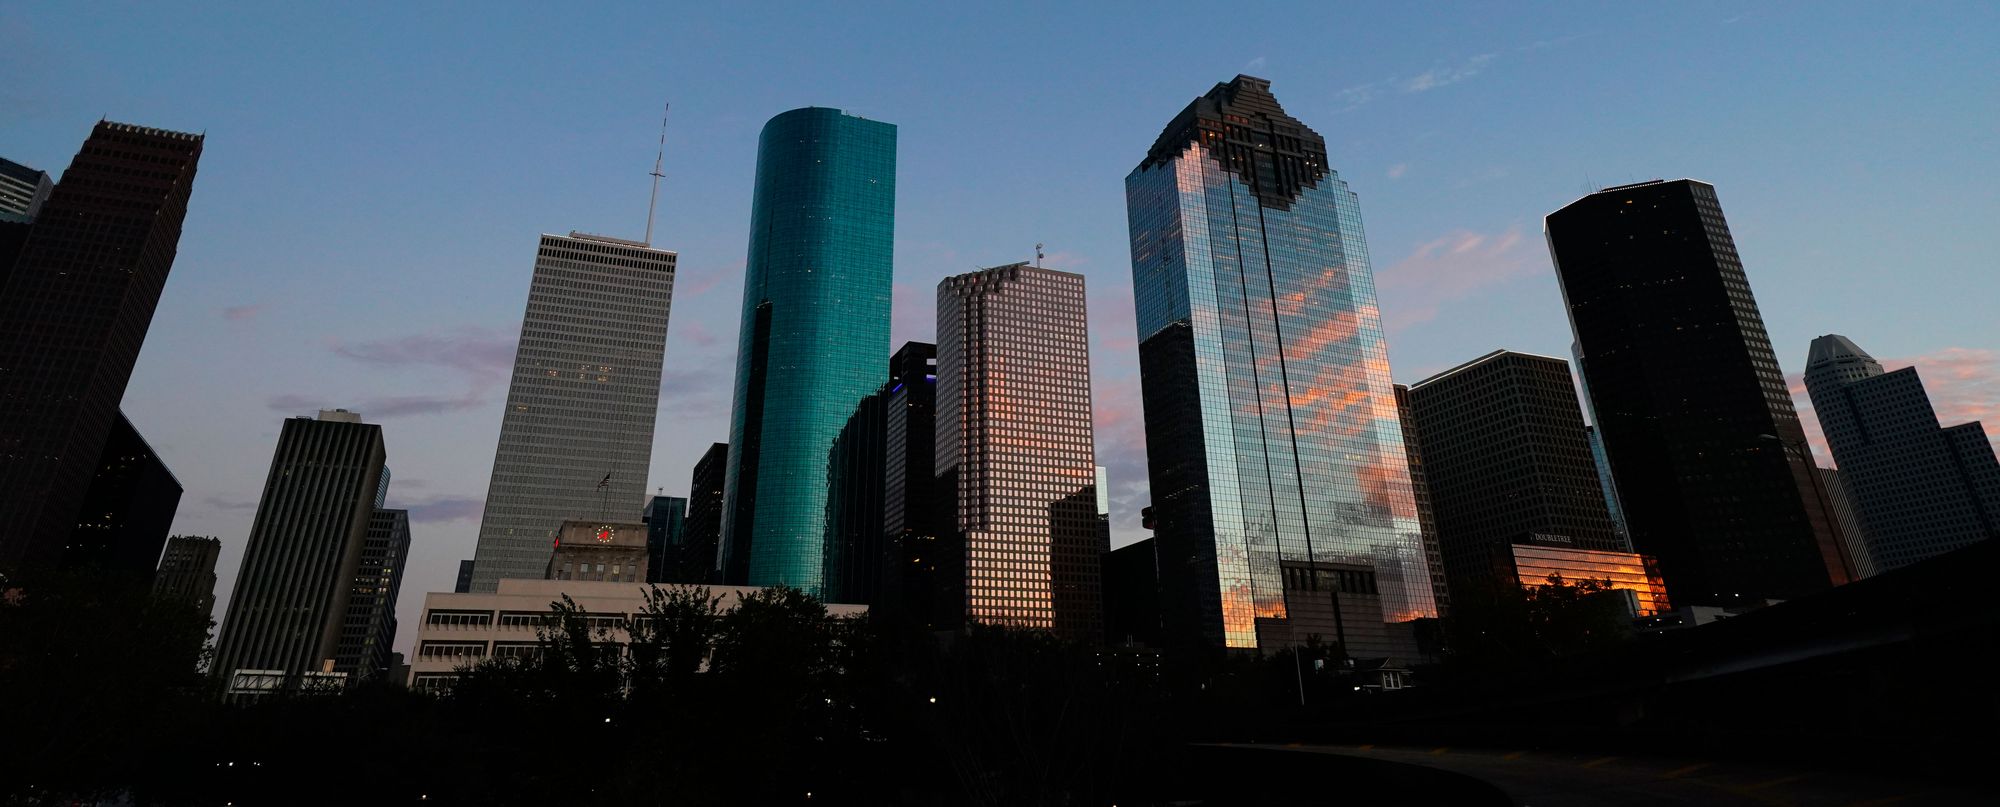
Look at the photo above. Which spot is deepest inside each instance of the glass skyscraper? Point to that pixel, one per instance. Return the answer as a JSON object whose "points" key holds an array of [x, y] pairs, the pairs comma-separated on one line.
{"points": [[814, 330], [1687, 396], [1271, 428]]}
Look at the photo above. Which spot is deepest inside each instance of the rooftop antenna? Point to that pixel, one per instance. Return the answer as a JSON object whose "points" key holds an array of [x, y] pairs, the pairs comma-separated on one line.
{"points": [[658, 159], [1038, 256]]}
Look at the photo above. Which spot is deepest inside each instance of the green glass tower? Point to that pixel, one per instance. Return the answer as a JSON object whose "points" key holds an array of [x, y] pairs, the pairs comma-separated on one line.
{"points": [[810, 351]]}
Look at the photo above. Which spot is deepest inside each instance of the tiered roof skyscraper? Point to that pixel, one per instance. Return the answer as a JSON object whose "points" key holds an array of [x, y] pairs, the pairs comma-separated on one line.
{"points": [[1272, 434], [1917, 490]]}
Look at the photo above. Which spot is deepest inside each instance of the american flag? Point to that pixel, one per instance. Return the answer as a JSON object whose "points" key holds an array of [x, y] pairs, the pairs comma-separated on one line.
{"points": [[605, 482]]}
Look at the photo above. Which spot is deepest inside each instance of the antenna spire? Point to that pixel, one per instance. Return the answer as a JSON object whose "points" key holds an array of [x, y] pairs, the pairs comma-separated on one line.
{"points": [[658, 159]]}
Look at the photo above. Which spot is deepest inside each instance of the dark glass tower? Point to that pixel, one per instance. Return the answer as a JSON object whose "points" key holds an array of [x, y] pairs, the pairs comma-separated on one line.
{"points": [[666, 527], [187, 570], [1688, 398], [1507, 462], [128, 510], [73, 315], [1271, 429], [911, 511], [305, 549], [814, 330], [1915, 494], [703, 529]]}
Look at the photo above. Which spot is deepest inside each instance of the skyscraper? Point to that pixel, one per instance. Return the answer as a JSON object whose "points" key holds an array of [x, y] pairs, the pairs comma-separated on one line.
{"points": [[814, 329], [703, 529], [1014, 439], [1688, 397], [1420, 488], [128, 509], [1609, 485], [1915, 490], [305, 548], [22, 191], [187, 570], [73, 314], [1271, 430], [913, 514], [368, 629], [1507, 462], [577, 435], [666, 525]]}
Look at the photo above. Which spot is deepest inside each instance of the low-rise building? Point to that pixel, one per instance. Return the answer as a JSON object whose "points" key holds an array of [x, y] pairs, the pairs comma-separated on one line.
{"points": [[458, 630]]}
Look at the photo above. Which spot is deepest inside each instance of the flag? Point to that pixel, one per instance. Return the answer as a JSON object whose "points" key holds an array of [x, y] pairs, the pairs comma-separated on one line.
{"points": [[606, 481]]}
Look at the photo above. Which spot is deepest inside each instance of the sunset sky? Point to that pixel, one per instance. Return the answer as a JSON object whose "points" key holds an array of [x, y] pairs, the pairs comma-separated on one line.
{"points": [[364, 221]]}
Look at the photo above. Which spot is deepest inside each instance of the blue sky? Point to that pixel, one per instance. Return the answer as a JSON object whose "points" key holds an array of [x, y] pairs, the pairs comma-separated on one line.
{"points": [[364, 220]]}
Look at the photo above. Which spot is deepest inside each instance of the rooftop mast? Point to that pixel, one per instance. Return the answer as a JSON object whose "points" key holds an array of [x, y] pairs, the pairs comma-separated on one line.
{"points": [[657, 161]]}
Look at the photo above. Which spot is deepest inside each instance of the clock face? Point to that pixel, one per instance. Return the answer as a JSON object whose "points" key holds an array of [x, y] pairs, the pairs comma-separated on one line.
{"points": [[604, 535]]}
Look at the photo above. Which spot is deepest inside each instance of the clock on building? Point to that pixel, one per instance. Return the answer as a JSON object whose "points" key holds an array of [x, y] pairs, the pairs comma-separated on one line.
{"points": [[605, 534]]}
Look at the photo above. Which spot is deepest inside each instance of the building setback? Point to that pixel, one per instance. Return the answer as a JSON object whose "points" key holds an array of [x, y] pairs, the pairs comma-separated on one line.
{"points": [[22, 191], [305, 548], [1916, 489], [1688, 397], [187, 571], [128, 509], [1507, 462], [369, 627], [1271, 427], [815, 327], [74, 310], [577, 434], [703, 530]]}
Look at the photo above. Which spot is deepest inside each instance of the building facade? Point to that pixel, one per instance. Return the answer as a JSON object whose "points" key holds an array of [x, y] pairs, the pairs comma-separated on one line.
{"points": [[1507, 461], [1271, 427], [22, 190], [914, 538], [706, 497], [127, 510], [187, 571], [599, 551], [369, 628], [74, 310], [1608, 484], [1015, 442], [666, 529], [577, 435], [1915, 494], [815, 327], [1420, 489], [1688, 397], [290, 602], [460, 630], [1635, 576], [1850, 523]]}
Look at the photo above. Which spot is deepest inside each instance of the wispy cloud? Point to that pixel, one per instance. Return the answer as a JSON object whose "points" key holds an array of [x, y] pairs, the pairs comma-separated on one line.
{"points": [[233, 505], [1447, 75], [1121, 448], [483, 356], [1396, 171], [1254, 65], [433, 509], [242, 313], [1450, 268], [389, 406]]}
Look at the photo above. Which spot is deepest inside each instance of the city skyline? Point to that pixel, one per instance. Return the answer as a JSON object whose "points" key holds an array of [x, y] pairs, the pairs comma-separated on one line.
{"points": [[422, 363]]}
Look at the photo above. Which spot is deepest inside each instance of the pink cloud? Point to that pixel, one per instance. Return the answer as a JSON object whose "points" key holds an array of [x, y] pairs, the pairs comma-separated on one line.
{"points": [[1447, 269], [242, 313], [913, 317]]}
